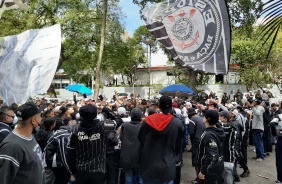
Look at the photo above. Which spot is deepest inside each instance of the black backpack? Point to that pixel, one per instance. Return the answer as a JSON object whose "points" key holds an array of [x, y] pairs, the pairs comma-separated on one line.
{"points": [[111, 134]]}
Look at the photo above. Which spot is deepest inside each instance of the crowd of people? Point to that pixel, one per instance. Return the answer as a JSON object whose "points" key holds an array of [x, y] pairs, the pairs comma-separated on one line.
{"points": [[137, 141]]}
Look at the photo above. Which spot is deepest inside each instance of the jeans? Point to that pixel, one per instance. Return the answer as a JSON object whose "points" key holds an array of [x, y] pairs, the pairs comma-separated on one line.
{"points": [[132, 176], [258, 142], [227, 174], [148, 182], [186, 134]]}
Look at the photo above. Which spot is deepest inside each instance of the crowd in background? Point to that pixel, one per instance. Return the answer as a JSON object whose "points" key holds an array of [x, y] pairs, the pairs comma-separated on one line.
{"points": [[132, 140]]}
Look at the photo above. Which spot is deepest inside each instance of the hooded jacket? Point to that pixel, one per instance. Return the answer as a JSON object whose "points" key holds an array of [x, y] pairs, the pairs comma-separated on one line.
{"points": [[229, 142], [210, 153], [87, 148], [160, 137], [42, 136]]}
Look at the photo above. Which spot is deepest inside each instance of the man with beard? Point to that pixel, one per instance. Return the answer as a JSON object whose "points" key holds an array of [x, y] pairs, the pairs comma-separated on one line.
{"points": [[20, 155], [6, 121]]}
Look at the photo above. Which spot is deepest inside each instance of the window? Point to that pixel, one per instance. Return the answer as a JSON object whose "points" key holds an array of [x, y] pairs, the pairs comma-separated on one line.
{"points": [[58, 85]]}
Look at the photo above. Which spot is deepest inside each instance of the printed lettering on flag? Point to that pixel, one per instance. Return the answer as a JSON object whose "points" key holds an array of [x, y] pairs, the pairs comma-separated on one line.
{"points": [[195, 32], [28, 62]]}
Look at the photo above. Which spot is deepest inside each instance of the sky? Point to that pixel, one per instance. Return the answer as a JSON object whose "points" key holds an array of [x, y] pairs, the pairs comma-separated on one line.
{"points": [[132, 22]]}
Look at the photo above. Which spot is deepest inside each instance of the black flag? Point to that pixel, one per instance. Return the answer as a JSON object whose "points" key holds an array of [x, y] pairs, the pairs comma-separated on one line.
{"points": [[195, 32]]}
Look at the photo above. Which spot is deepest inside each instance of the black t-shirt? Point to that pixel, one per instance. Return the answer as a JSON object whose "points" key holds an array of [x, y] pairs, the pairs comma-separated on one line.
{"points": [[21, 161]]}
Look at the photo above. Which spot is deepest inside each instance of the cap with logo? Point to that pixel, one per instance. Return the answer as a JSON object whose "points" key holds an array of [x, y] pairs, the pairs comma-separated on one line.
{"points": [[27, 110]]}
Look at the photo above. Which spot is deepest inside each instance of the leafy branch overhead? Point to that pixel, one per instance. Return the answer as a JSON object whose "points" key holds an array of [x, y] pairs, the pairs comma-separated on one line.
{"points": [[272, 21]]}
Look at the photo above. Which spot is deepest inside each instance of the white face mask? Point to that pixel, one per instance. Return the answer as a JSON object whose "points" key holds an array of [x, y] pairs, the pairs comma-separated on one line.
{"points": [[15, 120]]}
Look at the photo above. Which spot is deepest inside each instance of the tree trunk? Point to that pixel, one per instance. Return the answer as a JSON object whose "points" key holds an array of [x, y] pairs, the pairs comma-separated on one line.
{"points": [[192, 77], [51, 91], [102, 44]]}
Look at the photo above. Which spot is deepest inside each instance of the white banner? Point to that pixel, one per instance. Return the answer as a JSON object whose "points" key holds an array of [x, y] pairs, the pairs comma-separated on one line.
{"points": [[28, 62]]}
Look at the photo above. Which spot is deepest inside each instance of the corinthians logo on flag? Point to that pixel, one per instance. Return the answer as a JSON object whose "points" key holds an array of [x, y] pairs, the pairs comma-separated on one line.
{"points": [[195, 32]]}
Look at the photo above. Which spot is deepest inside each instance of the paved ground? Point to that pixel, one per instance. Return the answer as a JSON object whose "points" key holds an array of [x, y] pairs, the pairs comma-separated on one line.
{"points": [[266, 168]]}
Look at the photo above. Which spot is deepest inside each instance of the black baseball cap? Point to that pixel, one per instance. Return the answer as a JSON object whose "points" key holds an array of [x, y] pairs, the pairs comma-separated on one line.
{"points": [[212, 116], [225, 114], [27, 110]]}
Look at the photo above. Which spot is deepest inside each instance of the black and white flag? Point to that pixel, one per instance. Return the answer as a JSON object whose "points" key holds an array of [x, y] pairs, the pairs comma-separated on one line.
{"points": [[195, 32]]}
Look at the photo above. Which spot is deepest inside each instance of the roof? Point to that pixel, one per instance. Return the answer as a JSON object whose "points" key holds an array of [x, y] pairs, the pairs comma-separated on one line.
{"points": [[159, 68]]}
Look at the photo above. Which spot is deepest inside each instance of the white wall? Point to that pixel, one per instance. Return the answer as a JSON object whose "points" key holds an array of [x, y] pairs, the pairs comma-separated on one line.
{"points": [[157, 77]]}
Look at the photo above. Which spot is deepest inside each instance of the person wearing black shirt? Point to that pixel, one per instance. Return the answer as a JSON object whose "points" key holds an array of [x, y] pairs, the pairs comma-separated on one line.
{"points": [[203, 97], [86, 154], [228, 148], [224, 99], [196, 129], [20, 155], [210, 163]]}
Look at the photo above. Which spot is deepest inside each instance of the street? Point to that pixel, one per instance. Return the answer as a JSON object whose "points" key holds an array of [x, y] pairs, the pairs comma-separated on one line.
{"points": [[264, 168]]}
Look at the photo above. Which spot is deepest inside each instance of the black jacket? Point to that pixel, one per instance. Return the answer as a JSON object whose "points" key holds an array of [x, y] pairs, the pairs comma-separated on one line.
{"points": [[5, 129], [239, 129], [210, 153], [196, 129], [159, 136], [87, 148], [130, 145], [42, 136], [56, 149], [229, 142]]}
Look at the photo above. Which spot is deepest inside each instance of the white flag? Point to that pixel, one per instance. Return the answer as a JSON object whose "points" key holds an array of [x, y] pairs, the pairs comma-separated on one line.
{"points": [[28, 62]]}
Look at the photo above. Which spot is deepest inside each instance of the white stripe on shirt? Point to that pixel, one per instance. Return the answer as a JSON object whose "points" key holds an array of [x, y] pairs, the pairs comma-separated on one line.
{"points": [[6, 157]]}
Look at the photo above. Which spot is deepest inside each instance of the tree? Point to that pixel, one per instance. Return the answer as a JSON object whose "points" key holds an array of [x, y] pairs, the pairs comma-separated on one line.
{"points": [[254, 69], [102, 44], [272, 22], [81, 29], [243, 14]]}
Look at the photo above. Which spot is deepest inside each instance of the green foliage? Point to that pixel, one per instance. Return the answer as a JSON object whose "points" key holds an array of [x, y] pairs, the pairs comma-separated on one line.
{"points": [[255, 70], [243, 14], [157, 87], [81, 29]]}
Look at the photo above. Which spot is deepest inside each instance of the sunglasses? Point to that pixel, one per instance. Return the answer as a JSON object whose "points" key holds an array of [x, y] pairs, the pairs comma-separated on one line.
{"points": [[7, 114]]}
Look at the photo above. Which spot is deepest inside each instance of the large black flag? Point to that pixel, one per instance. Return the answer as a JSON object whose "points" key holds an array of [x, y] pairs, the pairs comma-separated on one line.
{"points": [[195, 32]]}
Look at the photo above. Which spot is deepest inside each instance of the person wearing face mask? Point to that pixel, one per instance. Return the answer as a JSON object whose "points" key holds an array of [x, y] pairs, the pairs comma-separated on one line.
{"points": [[20, 155], [6, 122]]}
